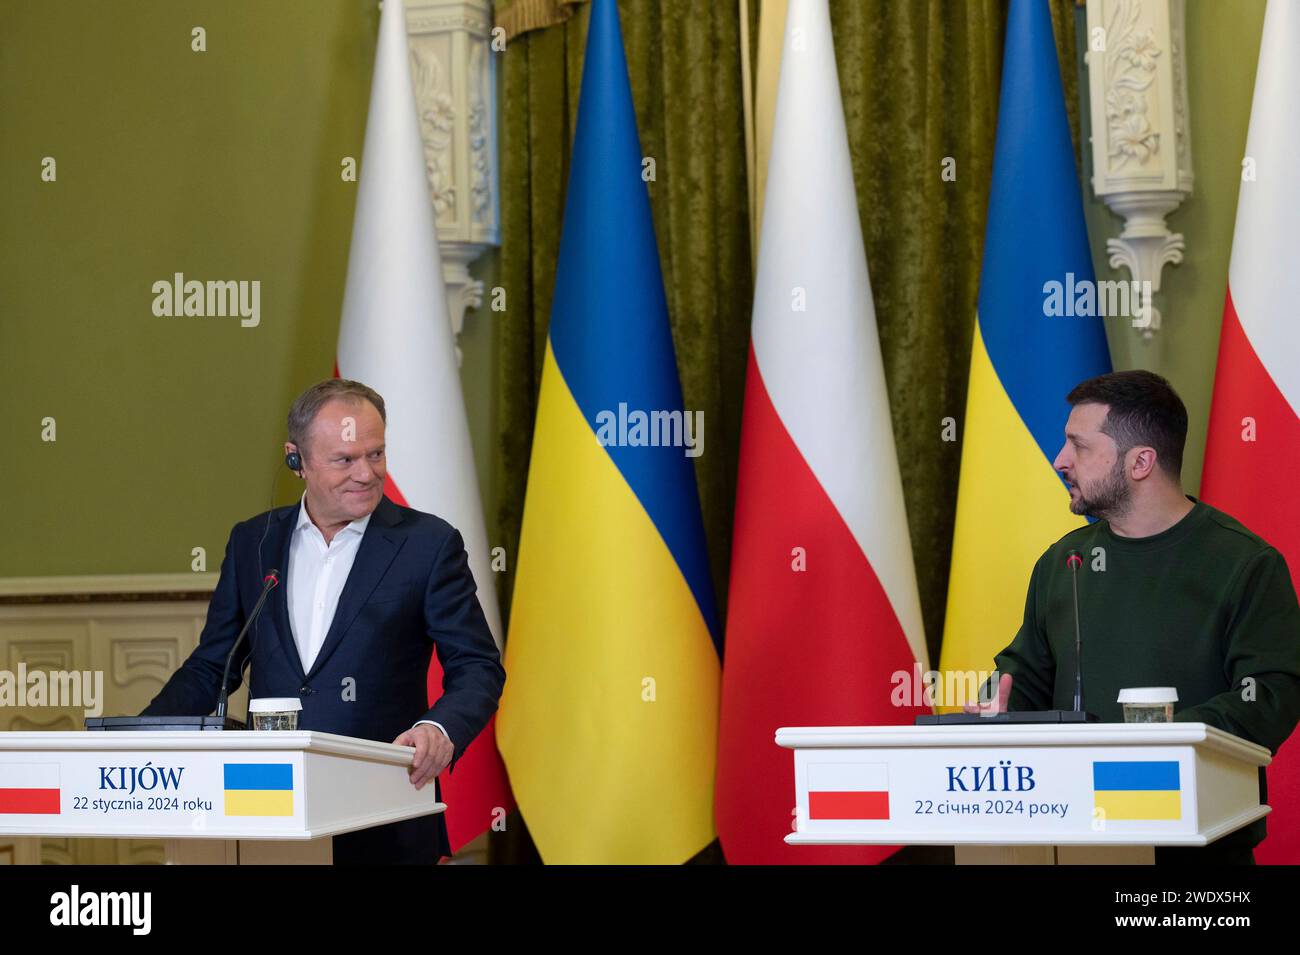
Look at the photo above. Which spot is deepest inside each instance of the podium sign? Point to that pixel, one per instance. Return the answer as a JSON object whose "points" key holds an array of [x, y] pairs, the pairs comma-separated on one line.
{"points": [[203, 785], [1169, 784]]}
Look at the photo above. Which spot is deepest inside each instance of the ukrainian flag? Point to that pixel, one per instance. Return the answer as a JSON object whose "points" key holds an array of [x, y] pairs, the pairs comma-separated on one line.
{"points": [[1011, 503], [258, 789], [608, 722], [1137, 790]]}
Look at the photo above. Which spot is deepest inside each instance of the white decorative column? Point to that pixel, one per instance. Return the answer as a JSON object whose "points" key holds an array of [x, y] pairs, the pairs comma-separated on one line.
{"points": [[1141, 150], [453, 71]]}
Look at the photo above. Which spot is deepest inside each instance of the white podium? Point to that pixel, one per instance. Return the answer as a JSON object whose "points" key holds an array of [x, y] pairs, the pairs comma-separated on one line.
{"points": [[214, 797], [1024, 793]]}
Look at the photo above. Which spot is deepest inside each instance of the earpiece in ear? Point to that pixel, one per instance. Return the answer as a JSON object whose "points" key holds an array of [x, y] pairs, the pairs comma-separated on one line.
{"points": [[293, 461]]}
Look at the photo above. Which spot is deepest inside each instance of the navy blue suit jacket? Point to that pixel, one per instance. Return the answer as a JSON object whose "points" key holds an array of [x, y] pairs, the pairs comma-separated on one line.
{"points": [[410, 592]]}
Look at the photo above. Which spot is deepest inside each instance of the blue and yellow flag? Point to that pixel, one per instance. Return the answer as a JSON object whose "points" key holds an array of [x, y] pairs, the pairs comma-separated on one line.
{"points": [[608, 723], [258, 789], [1136, 790], [1032, 345]]}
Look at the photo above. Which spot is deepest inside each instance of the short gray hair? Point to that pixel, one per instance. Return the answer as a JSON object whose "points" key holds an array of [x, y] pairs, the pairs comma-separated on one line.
{"points": [[308, 404]]}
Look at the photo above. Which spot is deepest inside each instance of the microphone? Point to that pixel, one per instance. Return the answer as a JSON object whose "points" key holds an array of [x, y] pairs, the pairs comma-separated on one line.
{"points": [[1077, 715], [269, 582], [1074, 562]]}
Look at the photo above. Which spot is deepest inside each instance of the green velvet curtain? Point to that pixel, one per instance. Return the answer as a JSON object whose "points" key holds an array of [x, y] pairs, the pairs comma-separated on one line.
{"points": [[919, 79]]}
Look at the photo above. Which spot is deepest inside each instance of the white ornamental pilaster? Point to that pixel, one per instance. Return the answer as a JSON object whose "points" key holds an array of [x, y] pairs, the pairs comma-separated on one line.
{"points": [[1141, 149], [453, 70]]}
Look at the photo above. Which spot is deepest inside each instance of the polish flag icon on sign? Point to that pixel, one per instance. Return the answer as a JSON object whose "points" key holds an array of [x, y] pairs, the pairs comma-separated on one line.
{"points": [[848, 791], [29, 788]]}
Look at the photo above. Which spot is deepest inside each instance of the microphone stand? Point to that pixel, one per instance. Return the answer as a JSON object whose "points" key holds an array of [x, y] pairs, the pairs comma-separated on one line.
{"points": [[269, 583]]}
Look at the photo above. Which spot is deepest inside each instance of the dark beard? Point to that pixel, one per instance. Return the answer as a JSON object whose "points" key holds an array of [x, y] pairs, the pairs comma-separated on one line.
{"points": [[1109, 499]]}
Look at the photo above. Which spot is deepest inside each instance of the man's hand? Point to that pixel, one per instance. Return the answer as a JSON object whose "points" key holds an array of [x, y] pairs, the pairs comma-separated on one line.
{"points": [[993, 707], [433, 752]]}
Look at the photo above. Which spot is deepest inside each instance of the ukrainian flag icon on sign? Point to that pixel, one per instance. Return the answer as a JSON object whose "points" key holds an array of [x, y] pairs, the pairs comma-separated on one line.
{"points": [[1138, 790], [259, 789]]}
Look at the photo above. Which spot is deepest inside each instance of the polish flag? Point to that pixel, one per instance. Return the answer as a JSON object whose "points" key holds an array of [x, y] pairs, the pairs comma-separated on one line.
{"points": [[395, 336], [29, 789], [1253, 442], [848, 791], [823, 606]]}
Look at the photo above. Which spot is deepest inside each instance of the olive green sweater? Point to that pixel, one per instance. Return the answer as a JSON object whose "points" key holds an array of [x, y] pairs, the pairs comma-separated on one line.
{"points": [[1206, 607]]}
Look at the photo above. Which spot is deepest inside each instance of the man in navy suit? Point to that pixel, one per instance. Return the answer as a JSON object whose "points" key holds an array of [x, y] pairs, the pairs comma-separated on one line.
{"points": [[370, 590]]}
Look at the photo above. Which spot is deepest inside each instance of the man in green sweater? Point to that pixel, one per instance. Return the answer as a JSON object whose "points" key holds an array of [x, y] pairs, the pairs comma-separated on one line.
{"points": [[1172, 592]]}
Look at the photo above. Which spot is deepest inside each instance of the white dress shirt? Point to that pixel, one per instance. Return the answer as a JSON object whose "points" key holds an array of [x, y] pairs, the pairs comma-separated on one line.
{"points": [[316, 575]]}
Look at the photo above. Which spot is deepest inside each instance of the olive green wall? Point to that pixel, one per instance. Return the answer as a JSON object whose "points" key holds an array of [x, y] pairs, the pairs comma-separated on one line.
{"points": [[223, 164], [1222, 49]]}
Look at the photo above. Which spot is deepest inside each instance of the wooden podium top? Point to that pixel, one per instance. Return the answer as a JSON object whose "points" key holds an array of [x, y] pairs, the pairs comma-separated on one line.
{"points": [[1013, 734], [191, 741]]}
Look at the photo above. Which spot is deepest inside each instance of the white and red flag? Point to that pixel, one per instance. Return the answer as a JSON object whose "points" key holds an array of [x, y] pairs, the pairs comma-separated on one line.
{"points": [[30, 788], [395, 336], [1252, 452], [823, 607]]}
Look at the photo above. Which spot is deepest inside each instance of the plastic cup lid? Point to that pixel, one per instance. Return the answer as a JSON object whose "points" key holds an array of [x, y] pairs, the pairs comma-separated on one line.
{"points": [[1149, 694], [274, 704]]}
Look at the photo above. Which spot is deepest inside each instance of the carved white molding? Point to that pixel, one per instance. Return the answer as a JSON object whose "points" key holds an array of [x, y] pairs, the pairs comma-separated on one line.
{"points": [[1141, 150], [454, 75], [109, 584]]}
